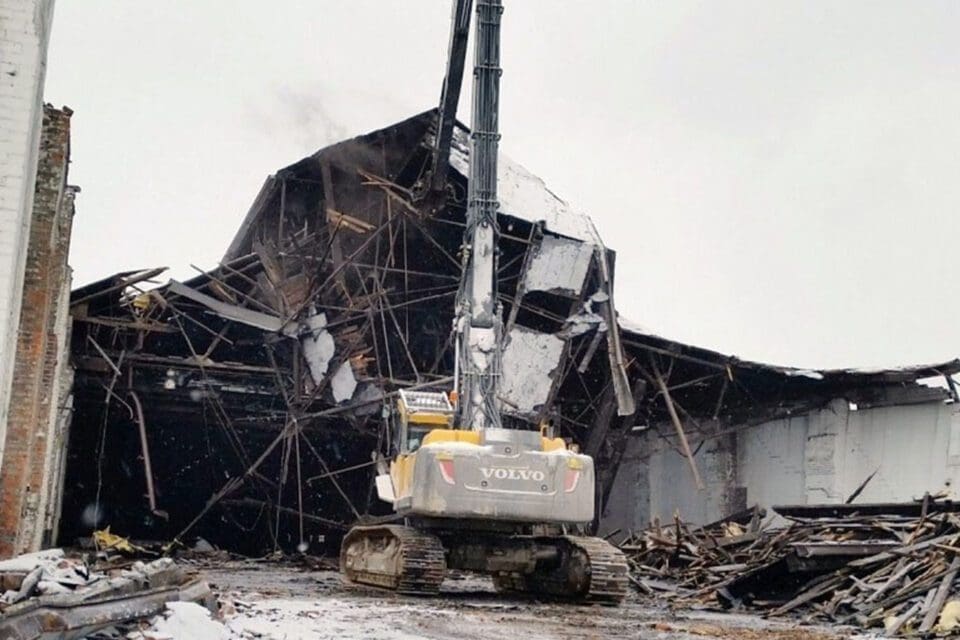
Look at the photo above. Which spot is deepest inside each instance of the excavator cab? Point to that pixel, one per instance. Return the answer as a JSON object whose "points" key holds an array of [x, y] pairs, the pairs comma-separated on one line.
{"points": [[420, 412]]}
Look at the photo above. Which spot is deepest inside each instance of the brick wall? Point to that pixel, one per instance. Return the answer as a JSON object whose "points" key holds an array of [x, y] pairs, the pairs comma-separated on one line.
{"points": [[24, 34], [34, 437]]}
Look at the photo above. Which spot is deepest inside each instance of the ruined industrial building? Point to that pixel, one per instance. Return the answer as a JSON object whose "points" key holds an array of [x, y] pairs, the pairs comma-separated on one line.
{"points": [[244, 412], [244, 405]]}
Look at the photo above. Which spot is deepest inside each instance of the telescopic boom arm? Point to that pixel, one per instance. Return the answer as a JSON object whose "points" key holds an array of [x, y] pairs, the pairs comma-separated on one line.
{"points": [[478, 311]]}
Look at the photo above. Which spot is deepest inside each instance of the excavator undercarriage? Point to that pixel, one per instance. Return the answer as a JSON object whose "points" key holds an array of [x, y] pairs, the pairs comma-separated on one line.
{"points": [[415, 560]]}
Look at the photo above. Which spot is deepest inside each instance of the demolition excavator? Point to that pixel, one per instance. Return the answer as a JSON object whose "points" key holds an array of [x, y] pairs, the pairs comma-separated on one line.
{"points": [[468, 493]]}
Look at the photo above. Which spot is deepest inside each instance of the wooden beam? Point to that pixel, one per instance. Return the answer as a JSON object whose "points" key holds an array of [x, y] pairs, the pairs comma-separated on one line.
{"points": [[681, 434], [128, 324]]}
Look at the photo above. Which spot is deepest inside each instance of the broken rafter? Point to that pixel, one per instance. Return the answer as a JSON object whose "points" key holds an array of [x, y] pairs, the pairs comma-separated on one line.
{"points": [[125, 281], [145, 450], [535, 231], [404, 341], [393, 191], [244, 296], [429, 238], [126, 324], [339, 269], [256, 319], [355, 467], [236, 482], [298, 430], [250, 502], [681, 434], [349, 222]]}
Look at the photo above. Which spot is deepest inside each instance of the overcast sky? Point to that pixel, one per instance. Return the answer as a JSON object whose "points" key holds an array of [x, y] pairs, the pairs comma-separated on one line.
{"points": [[780, 180]]}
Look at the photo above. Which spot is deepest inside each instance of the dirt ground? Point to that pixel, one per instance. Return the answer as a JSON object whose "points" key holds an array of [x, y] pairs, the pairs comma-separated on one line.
{"points": [[289, 603]]}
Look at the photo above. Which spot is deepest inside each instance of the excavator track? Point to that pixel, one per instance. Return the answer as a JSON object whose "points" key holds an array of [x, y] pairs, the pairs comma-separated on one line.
{"points": [[592, 570], [608, 569], [393, 557]]}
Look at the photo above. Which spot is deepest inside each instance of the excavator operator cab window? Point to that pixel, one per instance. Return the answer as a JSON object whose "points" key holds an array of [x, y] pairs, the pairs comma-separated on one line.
{"points": [[420, 413], [415, 435]]}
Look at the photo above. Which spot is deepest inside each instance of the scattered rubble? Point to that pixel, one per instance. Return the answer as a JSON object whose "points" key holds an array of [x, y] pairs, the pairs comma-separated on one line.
{"points": [[51, 595], [891, 567]]}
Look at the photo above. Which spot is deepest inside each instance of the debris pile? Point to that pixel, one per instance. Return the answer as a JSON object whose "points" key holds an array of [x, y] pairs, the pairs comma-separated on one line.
{"points": [[870, 567], [50, 595]]}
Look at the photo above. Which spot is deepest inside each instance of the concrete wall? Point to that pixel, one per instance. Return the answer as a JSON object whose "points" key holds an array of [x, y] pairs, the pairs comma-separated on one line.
{"points": [[35, 434], [825, 456], [628, 507], [24, 34], [821, 457], [771, 461], [670, 476]]}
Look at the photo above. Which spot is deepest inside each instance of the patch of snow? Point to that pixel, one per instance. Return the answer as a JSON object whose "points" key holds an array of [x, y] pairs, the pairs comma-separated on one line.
{"points": [[318, 346], [526, 196], [585, 320], [631, 326], [47, 572], [563, 453], [331, 619], [804, 373], [30, 561], [187, 621], [343, 383]]}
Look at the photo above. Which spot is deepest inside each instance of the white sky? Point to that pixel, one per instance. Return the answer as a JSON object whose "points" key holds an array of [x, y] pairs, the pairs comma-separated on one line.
{"points": [[781, 180]]}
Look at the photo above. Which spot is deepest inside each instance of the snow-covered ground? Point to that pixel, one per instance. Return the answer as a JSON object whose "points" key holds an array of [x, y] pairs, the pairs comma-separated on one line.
{"points": [[270, 601]]}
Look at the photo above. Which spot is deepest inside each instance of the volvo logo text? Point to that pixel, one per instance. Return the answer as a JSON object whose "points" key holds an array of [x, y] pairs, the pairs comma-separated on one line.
{"points": [[511, 474]]}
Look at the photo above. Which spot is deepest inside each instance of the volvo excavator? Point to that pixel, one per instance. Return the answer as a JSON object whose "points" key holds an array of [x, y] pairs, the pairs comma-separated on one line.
{"points": [[468, 493]]}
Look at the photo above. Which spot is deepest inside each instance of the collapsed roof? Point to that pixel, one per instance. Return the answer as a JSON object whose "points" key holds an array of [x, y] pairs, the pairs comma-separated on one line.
{"points": [[250, 398]]}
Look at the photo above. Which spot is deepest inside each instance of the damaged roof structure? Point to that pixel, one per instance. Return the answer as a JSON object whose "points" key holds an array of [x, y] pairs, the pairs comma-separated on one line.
{"points": [[254, 394], [720, 434], [247, 405]]}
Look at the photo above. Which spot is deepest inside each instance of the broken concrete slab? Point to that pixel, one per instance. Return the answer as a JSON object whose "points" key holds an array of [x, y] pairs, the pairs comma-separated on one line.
{"points": [[79, 608]]}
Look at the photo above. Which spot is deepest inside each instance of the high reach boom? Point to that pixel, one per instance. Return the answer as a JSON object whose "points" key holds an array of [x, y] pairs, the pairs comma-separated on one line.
{"points": [[478, 321]]}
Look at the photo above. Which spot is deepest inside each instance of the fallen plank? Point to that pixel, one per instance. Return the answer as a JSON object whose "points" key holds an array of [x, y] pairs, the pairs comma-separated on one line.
{"points": [[807, 595], [941, 596]]}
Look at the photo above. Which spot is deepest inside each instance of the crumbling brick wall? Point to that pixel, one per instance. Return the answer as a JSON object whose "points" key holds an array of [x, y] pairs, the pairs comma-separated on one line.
{"points": [[34, 436]]}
